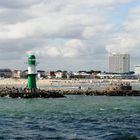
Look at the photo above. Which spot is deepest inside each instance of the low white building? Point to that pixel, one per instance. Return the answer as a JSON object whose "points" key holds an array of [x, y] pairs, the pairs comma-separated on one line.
{"points": [[17, 74], [41, 74], [116, 76], [81, 75], [137, 70], [58, 74], [7, 73]]}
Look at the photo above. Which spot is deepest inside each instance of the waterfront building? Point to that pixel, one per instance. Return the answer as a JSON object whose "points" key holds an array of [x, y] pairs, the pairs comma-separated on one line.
{"points": [[41, 74], [117, 76], [24, 74], [6, 73], [50, 74], [58, 74], [17, 74], [119, 63], [137, 70], [81, 74]]}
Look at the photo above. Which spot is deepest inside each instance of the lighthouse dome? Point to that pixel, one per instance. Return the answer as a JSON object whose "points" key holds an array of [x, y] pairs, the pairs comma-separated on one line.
{"points": [[31, 56], [31, 59]]}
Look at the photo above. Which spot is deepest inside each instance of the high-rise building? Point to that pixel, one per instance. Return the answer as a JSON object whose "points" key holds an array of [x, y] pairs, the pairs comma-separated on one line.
{"points": [[119, 63]]}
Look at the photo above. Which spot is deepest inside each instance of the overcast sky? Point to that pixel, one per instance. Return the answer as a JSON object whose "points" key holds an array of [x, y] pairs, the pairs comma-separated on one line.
{"points": [[68, 34]]}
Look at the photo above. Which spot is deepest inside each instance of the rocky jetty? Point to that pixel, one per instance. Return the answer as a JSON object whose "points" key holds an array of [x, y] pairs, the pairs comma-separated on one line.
{"points": [[26, 93], [90, 92], [121, 89], [112, 90]]}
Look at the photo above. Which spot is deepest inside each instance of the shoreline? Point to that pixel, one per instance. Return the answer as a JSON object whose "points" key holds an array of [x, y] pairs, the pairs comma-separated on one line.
{"points": [[73, 82], [18, 88]]}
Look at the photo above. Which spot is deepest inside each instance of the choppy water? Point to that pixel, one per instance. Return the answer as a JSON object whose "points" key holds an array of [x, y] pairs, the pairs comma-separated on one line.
{"points": [[71, 118]]}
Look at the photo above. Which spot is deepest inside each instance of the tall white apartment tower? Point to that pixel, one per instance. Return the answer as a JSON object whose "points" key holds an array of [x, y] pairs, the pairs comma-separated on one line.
{"points": [[119, 63]]}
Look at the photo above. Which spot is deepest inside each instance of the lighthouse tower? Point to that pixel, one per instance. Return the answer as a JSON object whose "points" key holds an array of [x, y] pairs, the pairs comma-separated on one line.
{"points": [[31, 71]]}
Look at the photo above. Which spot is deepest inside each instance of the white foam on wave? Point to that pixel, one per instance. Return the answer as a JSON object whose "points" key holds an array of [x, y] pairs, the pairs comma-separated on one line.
{"points": [[102, 109]]}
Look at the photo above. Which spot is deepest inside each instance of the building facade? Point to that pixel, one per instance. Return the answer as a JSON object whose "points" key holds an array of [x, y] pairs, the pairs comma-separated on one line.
{"points": [[50, 74], [58, 74], [16, 74], [119, 63], [41, 74], [6, 73], [137, 70]]}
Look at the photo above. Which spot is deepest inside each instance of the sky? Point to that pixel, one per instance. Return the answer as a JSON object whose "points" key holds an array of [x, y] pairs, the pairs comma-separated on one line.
{"points": [[68, 34]]}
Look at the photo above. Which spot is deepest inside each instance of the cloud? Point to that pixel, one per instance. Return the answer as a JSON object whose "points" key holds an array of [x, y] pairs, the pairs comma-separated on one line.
{"points": [[59, 23], [78, 30], [66, 26], [128, 40], [96, 3], [48, 52], [71, 49], [17, 3]]}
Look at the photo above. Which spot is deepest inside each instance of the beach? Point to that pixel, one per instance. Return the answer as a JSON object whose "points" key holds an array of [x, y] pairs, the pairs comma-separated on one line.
{"points": [[72, 82]]}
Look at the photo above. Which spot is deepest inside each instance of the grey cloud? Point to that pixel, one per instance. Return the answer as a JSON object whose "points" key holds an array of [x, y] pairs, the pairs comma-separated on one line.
{"points": [[128, 39], [18, 3], [45, 26], [9, 16], [17, 49]]}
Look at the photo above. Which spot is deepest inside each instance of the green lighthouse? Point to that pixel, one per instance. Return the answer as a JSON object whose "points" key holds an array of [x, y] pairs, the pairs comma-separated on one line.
{"points": [[31, 71]]}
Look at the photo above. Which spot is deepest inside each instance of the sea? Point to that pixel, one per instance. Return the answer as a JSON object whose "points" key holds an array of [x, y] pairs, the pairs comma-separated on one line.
{"points": [[75, 117]]}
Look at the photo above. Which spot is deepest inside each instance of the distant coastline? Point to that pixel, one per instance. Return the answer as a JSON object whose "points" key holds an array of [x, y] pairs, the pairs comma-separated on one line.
{"points": [[72, 82]]}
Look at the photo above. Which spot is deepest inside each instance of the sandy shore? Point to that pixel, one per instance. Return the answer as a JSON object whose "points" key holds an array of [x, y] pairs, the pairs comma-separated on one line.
{"points": [[23, 82]]}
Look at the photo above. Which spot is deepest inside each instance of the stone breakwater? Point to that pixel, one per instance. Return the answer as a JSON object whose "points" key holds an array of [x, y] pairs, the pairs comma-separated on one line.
{"points": [[26, 93], [60, 93], [89, 92]]}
